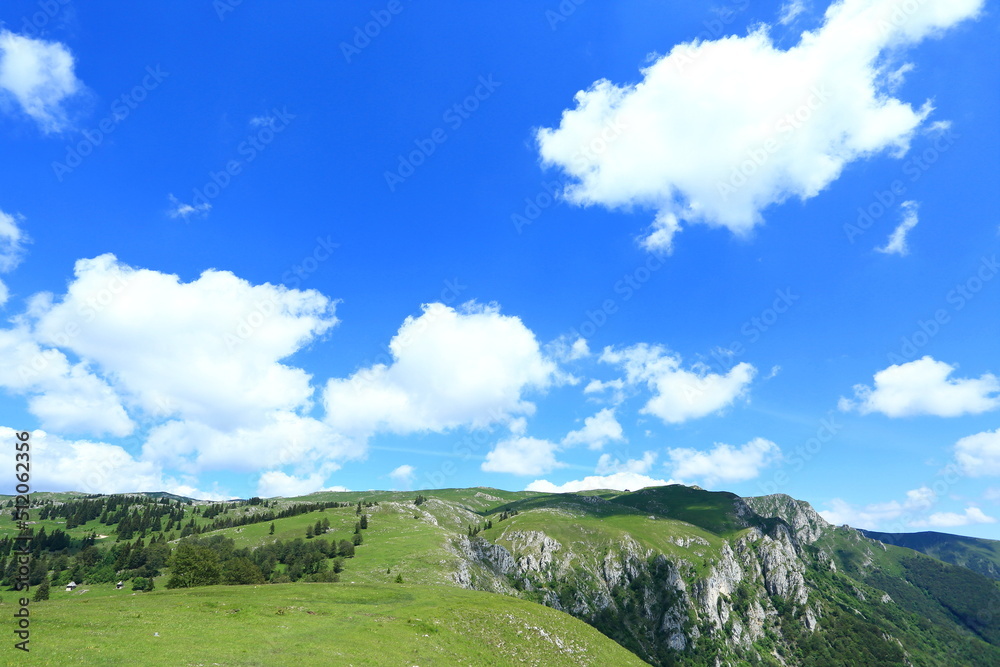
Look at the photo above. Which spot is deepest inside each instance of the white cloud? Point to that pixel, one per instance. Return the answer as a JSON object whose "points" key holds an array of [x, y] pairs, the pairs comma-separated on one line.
{"points": [[94, 467], [276, 483], [790, 11], [875, 515], [192, 492], [12, 240], [979, 455], [522, 456], [60, 464], [718, 130], [449, 368], [597, 431], [562, 350], [895, 78], [518, 425], [896, 244], [971, 515], [724, 463], [39, 76], [179, 209], [616, 388], [282, 439], [208, 351], [200, 362], [843, 513], [922, 497], [607, 465], [619, 481], [938, 127], [403, 475], [678, 394], [66, 397], [924, 387]]}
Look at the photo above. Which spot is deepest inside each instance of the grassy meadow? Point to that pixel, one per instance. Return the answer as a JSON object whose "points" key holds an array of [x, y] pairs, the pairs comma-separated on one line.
{"points": [[339, 624]]}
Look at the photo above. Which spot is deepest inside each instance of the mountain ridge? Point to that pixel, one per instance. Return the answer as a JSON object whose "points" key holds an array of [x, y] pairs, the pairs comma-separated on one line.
{"points": [[674, 574]]}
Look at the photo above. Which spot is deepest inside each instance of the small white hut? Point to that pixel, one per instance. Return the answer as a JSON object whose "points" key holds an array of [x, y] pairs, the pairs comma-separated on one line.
{"points": [[120, 585], [70, 586]]}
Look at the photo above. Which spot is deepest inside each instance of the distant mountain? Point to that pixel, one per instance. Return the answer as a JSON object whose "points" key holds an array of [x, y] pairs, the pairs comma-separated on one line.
{"points": [[675, 575], [156, 495], [977, 554], [63, 496]]}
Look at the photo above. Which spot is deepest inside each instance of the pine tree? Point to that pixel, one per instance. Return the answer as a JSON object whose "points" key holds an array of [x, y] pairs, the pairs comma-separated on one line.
{"points": [[364, 522], [271, 532], [399, 578], [42, 592]]}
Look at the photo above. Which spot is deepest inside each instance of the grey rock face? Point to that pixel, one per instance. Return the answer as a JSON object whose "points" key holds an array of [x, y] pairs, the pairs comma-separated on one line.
{"points": [[806, 522]]}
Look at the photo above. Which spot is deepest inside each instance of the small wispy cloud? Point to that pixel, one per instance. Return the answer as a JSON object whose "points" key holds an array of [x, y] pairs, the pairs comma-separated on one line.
{"points": [[896, 245], [262, 121], [403, 475], [938, 127], [179, 209], [12, 241], [791, 11], [971, 516]]}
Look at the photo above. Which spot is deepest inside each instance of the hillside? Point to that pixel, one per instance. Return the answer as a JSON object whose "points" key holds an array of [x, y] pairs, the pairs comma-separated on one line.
{"points": [[977, 554], [316, 624], [675, 575]]}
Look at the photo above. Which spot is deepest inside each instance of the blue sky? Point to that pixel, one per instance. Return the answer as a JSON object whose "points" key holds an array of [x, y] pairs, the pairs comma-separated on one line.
{"points": [[258, 247]]}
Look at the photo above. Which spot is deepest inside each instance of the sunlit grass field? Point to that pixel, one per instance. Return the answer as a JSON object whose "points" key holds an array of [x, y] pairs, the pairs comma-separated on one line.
{"points": [[308, 624]]}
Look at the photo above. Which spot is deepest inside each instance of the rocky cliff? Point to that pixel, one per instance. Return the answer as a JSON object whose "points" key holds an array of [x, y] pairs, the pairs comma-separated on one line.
{"points": [[708, 578]]}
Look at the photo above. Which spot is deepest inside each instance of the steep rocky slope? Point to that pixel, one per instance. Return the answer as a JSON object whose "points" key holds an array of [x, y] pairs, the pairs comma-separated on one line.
{"points": [[685, 576]]}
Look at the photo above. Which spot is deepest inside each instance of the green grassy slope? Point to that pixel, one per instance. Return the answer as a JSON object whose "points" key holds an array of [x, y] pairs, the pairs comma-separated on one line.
{"points": [[314, 624], [394, 541]]}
